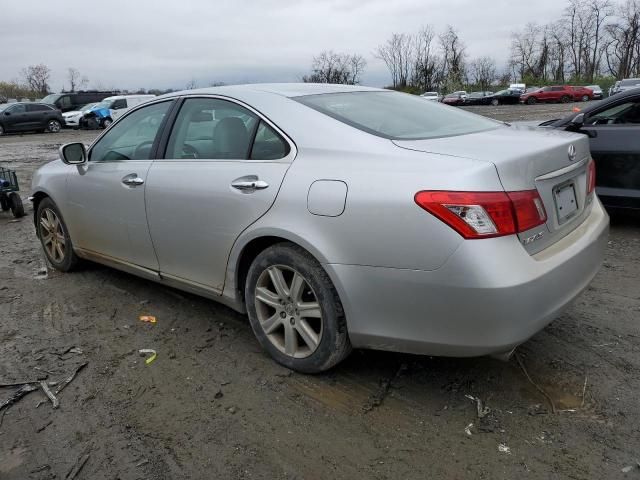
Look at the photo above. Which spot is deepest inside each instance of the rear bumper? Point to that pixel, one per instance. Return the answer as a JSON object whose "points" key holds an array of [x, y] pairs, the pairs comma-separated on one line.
{"points": [[489, 297]]}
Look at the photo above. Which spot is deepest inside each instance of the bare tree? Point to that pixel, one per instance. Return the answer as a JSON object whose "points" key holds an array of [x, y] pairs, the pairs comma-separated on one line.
{"points": [[191, 84], [426, 63], [453, 58], [37, 78], [397, 54], [483, 71], [332, 67], [624, 42], [75, 79]]}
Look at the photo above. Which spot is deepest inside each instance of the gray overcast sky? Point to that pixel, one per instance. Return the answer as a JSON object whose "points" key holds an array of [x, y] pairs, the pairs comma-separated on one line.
{"points": [[159, 43]]}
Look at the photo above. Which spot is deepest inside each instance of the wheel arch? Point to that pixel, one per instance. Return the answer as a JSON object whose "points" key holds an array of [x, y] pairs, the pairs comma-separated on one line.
{"points": [[37, 197], [246, 250]]}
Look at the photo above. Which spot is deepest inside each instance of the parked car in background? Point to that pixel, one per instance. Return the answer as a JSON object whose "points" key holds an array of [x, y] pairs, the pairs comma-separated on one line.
{"points": [[435, 96], [582, 94], [31, 116], [598, 94], [503, 97], [67, 102], [518, 87], [110, 109], [72, 118], [556, 93], [477, 98], [489, 231], [625, 84], [613, 129], [613, 88], [455, 98]]}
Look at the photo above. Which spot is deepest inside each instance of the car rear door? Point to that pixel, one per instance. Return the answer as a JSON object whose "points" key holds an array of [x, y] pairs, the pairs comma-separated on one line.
{"points": [[614, 133], [118, 108], [38, 115], [105, 209], [221, 171]]}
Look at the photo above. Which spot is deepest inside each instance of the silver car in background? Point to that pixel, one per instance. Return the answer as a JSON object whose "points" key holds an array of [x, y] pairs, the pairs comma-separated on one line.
{"points": [[335, 216]]}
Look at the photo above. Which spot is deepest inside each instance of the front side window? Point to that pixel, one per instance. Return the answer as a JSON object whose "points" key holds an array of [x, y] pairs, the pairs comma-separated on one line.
{"points": [[65, 101], [211, 128], [397, 116], [119, 104], [621, 114], [131, 138], [20, 108], [51, 99]]}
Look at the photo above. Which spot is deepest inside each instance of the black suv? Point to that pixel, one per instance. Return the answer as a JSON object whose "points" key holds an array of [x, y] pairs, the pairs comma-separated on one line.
{"points": [[24, 116], [66, 102]]}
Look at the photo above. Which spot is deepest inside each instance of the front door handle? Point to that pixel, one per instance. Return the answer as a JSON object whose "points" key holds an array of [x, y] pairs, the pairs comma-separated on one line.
{"points": [[132, 180], [249, 183]]}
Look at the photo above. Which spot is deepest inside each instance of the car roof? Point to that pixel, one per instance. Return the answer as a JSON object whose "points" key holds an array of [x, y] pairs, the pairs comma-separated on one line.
{"points": [[289, 90]]}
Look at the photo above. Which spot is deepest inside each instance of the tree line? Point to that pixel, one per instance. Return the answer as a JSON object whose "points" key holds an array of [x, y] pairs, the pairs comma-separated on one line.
{"points": [[593, 40]]}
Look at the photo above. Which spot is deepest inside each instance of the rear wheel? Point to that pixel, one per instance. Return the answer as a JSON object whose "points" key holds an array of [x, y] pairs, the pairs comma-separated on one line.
{"points": [[1, 130], [15, 202], [294, 310], [54, 237], [4, 202], [53, 126], [565, 99], [531, 100]]}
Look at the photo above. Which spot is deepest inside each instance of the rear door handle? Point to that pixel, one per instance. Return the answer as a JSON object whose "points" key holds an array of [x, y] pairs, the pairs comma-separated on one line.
{"points": [[249, 183], [132, 180]]}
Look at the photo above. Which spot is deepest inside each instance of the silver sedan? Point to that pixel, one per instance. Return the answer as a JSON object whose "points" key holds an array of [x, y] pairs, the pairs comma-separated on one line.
{"points": [[335, 217]]}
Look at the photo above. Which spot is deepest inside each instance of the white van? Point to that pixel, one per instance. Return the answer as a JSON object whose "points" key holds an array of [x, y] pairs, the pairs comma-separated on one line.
{"points": [[117, 105]]}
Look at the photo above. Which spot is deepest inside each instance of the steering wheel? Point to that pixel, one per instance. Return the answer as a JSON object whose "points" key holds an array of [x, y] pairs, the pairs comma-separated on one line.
{"points": [[190, 151], [139, 153]]}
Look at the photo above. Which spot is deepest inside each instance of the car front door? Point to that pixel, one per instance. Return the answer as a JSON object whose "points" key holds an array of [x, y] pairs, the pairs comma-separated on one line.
{"points": [[105, 207], [615, 146], [15, 118], [118, 108], [221, 171]]}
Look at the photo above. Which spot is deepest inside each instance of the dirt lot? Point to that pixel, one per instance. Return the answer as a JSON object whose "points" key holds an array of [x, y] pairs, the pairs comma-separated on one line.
{"points": [[212, 405]]}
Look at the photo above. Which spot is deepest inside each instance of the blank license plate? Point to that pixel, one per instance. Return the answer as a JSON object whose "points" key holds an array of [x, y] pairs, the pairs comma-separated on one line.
{"points": [[566, 203]]}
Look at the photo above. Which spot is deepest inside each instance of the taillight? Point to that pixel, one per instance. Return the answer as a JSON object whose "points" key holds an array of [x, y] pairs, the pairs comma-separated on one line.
{"points": [[591, 177], [485, 214]]}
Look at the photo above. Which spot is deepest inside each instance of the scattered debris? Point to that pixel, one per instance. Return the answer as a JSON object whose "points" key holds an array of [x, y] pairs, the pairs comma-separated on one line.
{"points": [[483, 411], [628, 468], [538, 387], [49, 393], [467, 429], [584, 390], [504, 449], [218, 394], [17, 395], [231, 410], [147, 318], [75, 470], [151, 351], [70, 378], [376, 399], [141, 463], [39, 429]]}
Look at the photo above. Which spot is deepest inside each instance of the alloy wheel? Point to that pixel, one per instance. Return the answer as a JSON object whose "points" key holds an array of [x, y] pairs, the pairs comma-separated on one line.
{"points": [[288, 311], [52, 235], [53, 126]]}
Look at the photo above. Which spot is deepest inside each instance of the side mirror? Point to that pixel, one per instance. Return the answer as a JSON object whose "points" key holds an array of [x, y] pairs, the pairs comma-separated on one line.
{"points": [[73, 153], [578, 120]]}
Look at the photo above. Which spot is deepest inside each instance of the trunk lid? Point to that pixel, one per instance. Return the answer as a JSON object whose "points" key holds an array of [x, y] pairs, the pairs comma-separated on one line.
{"points": [[552, 161]]}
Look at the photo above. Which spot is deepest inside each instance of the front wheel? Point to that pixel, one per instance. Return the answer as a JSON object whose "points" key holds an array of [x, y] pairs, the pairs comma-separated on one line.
{"points": [[54, 237], [531, 101], [295, 311], [53, 126], [1, 130], [585, 98], [106, 122], [495, 102]]}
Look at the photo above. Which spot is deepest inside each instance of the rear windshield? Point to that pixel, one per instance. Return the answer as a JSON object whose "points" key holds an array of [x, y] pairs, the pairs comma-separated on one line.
{"points": [[398, 116]]}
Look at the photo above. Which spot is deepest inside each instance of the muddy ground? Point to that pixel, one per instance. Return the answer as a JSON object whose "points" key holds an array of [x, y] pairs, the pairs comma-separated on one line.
{"points": [[213, 405]]}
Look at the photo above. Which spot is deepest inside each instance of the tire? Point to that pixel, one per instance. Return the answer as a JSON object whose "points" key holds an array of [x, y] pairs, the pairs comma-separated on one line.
{"points": [[106, 122], [4, 202], [15, 202], [68, 260], [53, 126], [495, 102], [585, 98], [565, 99], [1, 130], [532, 100], [325, 328]]}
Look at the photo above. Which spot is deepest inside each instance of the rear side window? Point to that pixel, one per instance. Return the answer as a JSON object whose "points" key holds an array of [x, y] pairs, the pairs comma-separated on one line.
{"points": [[397, 116], [268, 145], [20, 108], [118, 104], [211, 128], [38, 108]]}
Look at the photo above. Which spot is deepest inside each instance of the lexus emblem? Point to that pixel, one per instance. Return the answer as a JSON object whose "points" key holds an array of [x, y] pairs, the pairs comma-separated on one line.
{"points": [[572, 153]]}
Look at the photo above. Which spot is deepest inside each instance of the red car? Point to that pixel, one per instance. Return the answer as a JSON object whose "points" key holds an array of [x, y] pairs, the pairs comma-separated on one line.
{"points": [[556, 93]]}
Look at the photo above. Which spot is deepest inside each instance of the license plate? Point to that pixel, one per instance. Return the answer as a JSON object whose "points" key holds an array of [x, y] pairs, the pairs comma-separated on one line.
{"points": [[566, 204]]}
